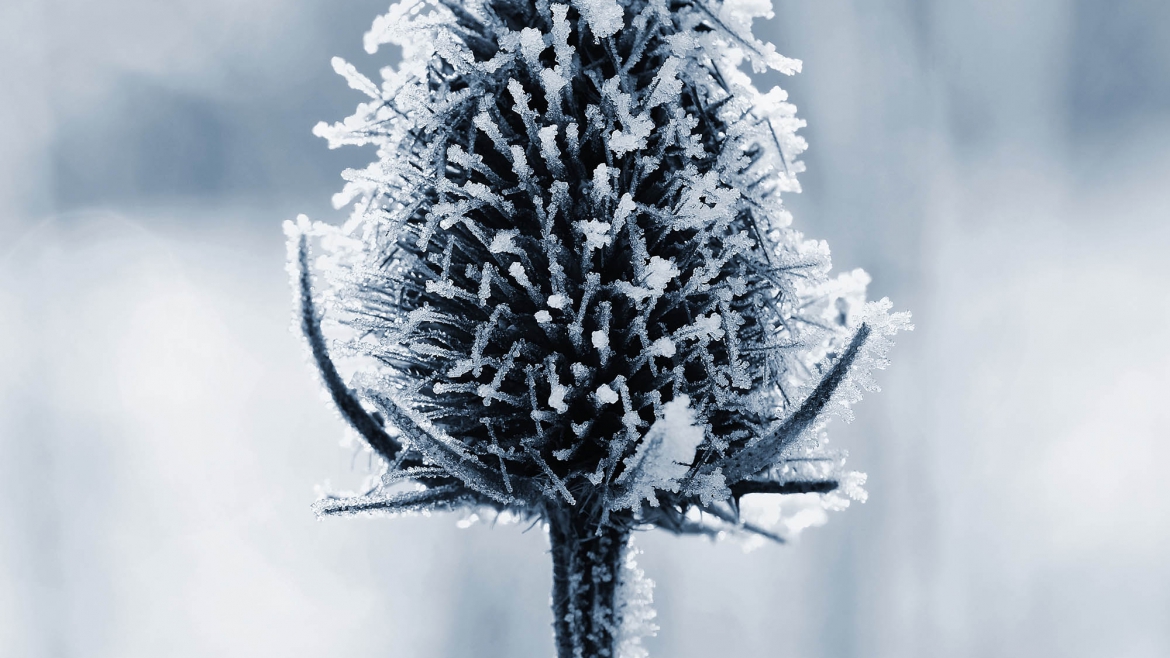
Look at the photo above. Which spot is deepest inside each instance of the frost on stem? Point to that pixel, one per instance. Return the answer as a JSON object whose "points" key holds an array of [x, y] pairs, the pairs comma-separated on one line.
{"points": [[574, 290]]}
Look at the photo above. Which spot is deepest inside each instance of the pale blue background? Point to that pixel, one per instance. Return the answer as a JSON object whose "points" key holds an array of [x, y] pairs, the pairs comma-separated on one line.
{"points": [[1002, 169]]}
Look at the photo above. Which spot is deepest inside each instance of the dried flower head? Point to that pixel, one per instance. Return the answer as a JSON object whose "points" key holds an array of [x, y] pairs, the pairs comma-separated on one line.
{"points": [[573, 282]]}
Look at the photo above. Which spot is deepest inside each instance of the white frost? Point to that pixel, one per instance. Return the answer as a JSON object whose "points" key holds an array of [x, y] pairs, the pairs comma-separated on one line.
{"points": [[556, 398], [659, 272], [603, 16], [625, 208], [664, 455], [601, 188], [354, 79], [518, 273], [606, 394], [531, 43], [600, 340], [596, 233], [703, 328], [788, 515], [663, 347], [502, 242], [635, 606]]}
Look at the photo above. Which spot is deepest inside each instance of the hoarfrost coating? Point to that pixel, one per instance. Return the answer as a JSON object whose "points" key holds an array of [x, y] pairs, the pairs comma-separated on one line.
{"points": [[572, 288]]}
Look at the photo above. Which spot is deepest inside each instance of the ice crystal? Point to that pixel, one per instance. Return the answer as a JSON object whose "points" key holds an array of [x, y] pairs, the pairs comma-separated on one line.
{"points": [[664, 455], [635, 598], [574, 290]]}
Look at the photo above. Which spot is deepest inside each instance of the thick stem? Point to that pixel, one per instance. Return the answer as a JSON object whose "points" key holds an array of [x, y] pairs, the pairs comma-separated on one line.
{"points": [[586, 571]]}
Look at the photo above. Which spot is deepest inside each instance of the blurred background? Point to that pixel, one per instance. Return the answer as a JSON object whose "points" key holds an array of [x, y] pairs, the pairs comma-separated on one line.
{"points": [[1001, 168]]}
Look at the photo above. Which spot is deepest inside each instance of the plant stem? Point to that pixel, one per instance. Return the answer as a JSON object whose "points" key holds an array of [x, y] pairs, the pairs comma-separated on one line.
{"points": [[586, 571]]}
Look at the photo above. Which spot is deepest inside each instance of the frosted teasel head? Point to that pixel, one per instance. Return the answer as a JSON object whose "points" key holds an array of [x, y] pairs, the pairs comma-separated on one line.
{"points": [[571, 275]]}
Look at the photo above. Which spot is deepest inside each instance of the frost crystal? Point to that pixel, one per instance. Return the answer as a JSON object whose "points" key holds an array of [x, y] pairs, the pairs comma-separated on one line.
{"points": [[603, 16], [572, 291], [664, 455], [635, 597], [606, 394]]}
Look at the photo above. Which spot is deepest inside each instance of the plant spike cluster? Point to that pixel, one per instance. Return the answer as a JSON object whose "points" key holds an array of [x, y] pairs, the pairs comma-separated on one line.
{"points": [[575, 287]]}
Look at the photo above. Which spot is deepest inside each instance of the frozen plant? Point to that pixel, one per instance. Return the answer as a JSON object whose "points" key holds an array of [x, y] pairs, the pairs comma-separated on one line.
{"points": [[572, 291]]}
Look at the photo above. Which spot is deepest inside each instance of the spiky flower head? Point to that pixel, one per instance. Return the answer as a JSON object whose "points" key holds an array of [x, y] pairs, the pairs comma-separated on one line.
{"points": [[569, 274]]}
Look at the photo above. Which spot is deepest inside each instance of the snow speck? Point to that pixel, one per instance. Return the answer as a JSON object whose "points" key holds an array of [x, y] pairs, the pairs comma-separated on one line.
{"points": [[659, 272], [604, 16], [518, 273], [596, 233], [600, 340], [580, 372], [606, 394], [531, 43], [664, 455], [556, 398], [502, 243], [601, 187], [663, 347]]}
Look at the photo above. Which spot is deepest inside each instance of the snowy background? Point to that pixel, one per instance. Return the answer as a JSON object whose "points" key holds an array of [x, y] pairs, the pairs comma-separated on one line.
{"points": [[1001, 168]]}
